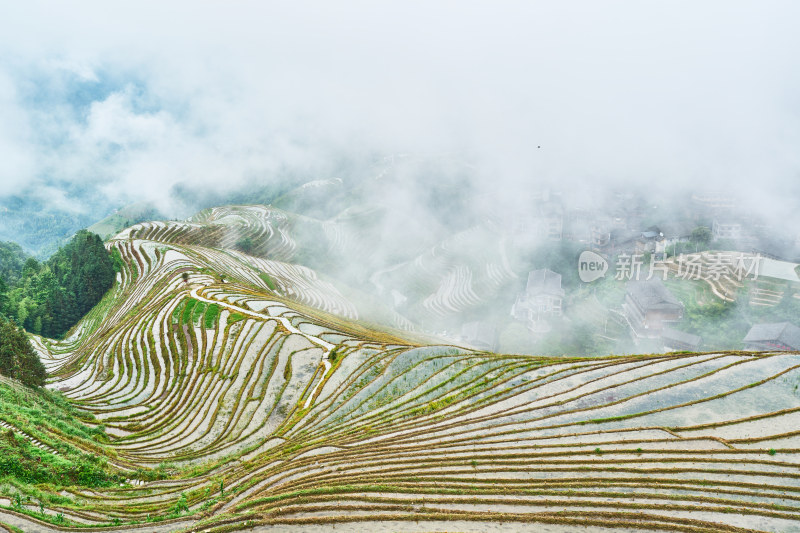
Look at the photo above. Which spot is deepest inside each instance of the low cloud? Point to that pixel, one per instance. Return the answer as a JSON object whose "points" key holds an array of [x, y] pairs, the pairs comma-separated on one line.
{"points": [[132, 100]]}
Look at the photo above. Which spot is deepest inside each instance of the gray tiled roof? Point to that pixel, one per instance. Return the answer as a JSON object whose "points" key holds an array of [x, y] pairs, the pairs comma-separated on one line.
{"points": [[670, 334], [784, 333], [544, 281], [678, 228], [652, 294]]}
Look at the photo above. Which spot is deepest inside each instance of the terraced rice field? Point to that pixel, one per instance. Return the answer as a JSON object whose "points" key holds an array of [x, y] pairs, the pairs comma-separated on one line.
{"points": [[722, 271], [457, 275], [275, 409]]}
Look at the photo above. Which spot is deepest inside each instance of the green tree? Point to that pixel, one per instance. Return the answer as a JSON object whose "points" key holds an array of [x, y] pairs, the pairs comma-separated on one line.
{"points": [[12, 260], [245, 244], [22, 311], [3, 296], [31, 267], [701, 235], [18, 359]]}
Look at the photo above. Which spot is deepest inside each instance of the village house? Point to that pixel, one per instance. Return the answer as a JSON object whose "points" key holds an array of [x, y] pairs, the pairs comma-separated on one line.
{"points": [[676, 340], [726, 229], [650, 306], [652, 242], [541, 300], [775, 281], [577, 224], [599, 237], [782, 336], [649, 241], [623, 241], [676, 231], [595, 231]]}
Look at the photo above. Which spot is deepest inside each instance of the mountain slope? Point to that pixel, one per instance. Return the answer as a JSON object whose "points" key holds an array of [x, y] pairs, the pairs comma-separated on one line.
{"points": [[236, 392]]}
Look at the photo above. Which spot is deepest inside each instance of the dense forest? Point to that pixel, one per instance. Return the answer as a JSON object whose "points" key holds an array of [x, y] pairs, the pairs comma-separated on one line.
{"points": [[48, 298]]}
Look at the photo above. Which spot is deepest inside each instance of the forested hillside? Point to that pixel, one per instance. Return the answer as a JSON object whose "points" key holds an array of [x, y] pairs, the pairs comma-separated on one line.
{"points": [[49, 298]]}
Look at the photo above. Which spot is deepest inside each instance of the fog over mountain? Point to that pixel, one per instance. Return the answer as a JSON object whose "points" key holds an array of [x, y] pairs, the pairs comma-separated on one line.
{"points": [[106, 104], [402, 265], [448, 128]]}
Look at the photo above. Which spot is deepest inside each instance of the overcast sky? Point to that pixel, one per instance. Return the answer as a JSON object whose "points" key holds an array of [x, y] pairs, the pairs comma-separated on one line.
{"points": [[136, 96]]}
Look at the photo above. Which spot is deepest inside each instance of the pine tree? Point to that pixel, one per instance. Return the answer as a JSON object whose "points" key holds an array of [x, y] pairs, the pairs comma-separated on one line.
{"points": [[18, 359]]}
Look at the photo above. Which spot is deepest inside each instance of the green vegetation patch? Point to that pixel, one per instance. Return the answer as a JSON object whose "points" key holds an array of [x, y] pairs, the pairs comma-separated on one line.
{"points": [[188, 307], [116, 258], [198, 312], [211, 316], [47, 417], [269, 281], [235, 317], [25, 463]]}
